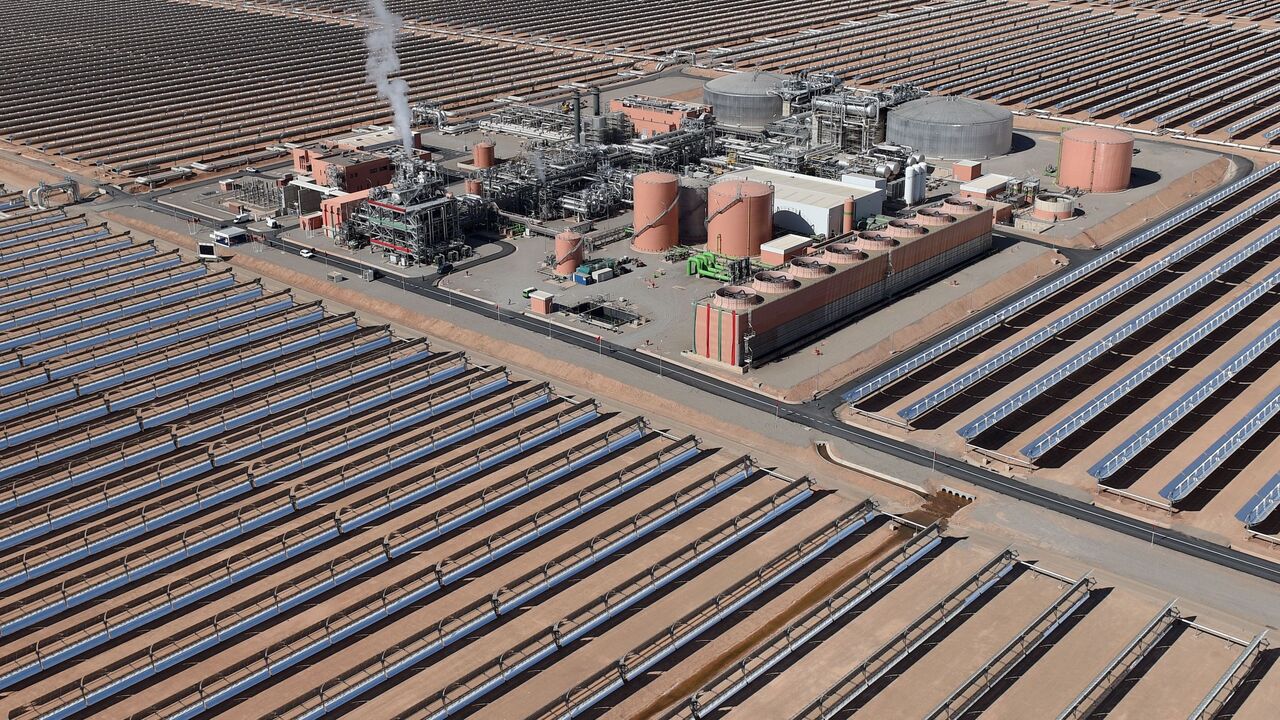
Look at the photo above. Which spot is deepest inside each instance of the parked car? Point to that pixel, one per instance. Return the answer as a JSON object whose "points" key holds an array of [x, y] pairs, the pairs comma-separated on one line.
{"points": [[242, 218]]}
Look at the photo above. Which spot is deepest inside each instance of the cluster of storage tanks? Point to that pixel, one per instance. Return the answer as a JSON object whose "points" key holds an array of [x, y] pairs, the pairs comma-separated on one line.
{"points": [[938, 126], [916, 183], [733, 217]]}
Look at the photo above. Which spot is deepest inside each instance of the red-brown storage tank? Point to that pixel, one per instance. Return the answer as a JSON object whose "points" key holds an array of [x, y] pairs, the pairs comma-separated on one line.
{"points": [[483, 156], [474, 187], [693, 210], [568, 252], [740, 214], [1095, 159], [657, 212]]}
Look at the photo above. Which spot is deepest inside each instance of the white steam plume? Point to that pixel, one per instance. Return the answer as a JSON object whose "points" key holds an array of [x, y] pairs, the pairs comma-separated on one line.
{"points": [[383, 63]]}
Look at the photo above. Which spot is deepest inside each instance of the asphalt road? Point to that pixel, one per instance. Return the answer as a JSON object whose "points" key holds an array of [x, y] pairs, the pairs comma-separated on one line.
{"points": [[819, 417]]}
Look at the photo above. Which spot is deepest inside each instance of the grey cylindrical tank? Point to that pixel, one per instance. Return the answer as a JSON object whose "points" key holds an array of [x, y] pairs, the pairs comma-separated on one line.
{"points": [[743, 99], [952, 127], [693, 209]]}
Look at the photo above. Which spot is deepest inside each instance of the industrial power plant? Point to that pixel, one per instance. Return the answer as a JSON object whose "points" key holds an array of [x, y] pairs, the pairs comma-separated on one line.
{"points": [[395, 359]]}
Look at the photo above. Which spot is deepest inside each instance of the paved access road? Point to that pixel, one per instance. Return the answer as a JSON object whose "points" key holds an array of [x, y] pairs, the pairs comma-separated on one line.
{"points": [[818, 416]]}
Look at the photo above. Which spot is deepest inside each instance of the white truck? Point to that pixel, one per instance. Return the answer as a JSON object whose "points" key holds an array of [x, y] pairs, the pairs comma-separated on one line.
{"points": [[230, 236]]}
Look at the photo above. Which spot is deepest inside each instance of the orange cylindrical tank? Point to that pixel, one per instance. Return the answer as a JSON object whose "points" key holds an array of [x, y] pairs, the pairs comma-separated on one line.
{"points": [[568, 252], [1053, 208], [482, 157], [849, 211], [1095, 159], [739, 217], [474, 187], [693, 210], [657, 212]]}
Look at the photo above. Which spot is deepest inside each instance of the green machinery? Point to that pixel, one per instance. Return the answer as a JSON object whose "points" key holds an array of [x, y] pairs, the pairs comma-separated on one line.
{"points": [[716, 267], [707, 265]]}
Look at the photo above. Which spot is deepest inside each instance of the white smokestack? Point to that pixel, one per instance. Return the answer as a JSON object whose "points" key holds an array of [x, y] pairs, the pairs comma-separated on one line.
{"points": [[383, 63]]}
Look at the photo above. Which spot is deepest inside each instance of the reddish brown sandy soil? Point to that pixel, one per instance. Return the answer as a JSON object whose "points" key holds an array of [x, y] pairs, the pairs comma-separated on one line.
{"points": [[1180, 679], [1178, 193], [932, 678], [20, 176], [1263, 700], [1055, 679], [814, 595], [792, 689]]}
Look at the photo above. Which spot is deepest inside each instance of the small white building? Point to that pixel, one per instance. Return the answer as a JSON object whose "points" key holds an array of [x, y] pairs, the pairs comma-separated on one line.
{"points": [[779, 250], [808, 205], [985, 187], [867, 182]]}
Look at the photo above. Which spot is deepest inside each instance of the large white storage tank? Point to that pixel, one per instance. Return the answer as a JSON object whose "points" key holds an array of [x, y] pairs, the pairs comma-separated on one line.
{"points": [[745, 99], [952, 127]]}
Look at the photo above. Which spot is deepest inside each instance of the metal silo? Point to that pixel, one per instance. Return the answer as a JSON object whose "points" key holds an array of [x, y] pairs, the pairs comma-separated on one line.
{"points": [[657, 215], [745, 99], [569, 252], [739, 217], [693, 209], [1095, 159], [482, 155], [952, 127]]}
